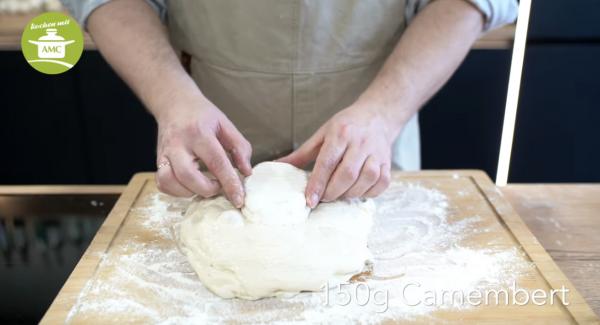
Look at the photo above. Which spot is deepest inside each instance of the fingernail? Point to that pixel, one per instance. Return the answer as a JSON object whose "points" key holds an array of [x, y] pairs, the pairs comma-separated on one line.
{"points": [[238, 200], [313, 200]]}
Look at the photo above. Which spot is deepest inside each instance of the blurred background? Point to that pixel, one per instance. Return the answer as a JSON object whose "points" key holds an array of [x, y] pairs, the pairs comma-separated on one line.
{"points": [[86, 127]]}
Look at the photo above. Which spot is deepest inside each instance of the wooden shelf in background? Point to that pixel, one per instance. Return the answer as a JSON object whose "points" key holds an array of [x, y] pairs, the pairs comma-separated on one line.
{"points": [[11, 28]]}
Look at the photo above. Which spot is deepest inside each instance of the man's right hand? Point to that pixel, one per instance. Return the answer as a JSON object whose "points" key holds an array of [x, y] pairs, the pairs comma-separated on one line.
{"points": [[190, 127], [194, 130]]}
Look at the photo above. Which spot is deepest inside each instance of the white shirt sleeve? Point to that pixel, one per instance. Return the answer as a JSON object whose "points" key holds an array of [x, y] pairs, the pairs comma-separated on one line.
{"points": [[81, 9], [497, 13]]}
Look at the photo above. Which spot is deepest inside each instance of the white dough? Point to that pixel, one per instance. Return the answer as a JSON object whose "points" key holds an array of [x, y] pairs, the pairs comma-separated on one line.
{"points": [[275, 246], [275, 190]]}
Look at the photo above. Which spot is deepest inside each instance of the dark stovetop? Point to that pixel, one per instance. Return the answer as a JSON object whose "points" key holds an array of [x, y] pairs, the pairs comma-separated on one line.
{"points": [[42, 238]]}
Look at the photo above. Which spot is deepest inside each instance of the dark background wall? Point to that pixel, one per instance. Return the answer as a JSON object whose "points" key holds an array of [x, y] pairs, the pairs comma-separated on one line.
{"points": [[557, 136], [86, 127]]}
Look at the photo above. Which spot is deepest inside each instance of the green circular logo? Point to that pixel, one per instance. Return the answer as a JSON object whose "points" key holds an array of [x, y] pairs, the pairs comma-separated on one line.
{"points": [[52, 43]]}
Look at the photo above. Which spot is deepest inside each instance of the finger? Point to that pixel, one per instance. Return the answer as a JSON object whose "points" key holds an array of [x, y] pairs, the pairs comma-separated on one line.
{"points": [[168, 183], [345, 174], [382, 183], [239, 148], [306, 153], [329, 157], [187, 173], [214, 156], [369, 174]]}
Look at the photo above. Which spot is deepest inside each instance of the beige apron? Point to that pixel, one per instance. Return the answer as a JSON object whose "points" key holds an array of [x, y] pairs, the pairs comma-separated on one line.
{"points": [[280, 68]]}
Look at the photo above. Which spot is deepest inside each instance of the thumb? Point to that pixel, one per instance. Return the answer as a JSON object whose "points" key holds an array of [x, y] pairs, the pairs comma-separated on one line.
{"points": [[306, 153]]}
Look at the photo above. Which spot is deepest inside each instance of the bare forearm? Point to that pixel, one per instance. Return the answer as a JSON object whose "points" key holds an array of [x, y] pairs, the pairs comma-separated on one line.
{"points": [[190, 128], [133, 40], [429, 51]]}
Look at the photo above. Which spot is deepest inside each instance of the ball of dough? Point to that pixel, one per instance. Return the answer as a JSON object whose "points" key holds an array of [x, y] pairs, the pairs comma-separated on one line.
{"points": [[275, 246], [275, 194]]}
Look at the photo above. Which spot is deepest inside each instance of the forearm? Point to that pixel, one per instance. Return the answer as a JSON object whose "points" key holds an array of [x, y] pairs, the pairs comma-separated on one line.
{"points": [[133, 40], [429, 51], [190, 129]]}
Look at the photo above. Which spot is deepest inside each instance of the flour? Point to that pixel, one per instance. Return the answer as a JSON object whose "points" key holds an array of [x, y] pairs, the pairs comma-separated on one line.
{"points": [[161, 214], [418, 237]]}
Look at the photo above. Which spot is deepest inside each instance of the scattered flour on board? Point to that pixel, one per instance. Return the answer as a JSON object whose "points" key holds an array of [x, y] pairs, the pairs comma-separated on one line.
{"points": [[413, 240]]}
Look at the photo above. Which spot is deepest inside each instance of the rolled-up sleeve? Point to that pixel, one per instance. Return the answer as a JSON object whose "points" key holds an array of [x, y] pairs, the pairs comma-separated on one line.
{"points": [[81, 9], [496, 13]]}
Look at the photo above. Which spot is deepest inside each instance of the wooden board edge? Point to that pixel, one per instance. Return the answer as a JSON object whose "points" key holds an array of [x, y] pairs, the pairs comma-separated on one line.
{"points": [[67, 296], [145, 175], [549, 270]]}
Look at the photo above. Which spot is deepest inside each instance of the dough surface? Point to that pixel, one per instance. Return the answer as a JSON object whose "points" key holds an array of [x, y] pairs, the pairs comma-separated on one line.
{"points": [[275, 246], [275, 195]]}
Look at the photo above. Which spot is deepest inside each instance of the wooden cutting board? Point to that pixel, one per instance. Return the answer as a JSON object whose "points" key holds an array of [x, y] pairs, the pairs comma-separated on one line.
{"points": [[468, 192]]}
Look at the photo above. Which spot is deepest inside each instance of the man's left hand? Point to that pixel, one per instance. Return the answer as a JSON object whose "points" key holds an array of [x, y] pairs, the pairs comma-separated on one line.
{"points": [[352, 154]]}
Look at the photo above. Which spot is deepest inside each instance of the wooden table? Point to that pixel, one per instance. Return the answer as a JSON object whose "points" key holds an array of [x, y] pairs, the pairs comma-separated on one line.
{"points": [[564, 217], [566, 220]]}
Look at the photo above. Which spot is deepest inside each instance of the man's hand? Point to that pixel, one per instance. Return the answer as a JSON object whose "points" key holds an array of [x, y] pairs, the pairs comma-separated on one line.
{"points": [[195, 130], [190, 127], [352, 150], [352, 153]]}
